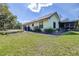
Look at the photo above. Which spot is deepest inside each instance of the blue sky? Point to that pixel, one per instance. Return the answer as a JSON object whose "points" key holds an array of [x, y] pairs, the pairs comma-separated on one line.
{"points": [[26, 12]]}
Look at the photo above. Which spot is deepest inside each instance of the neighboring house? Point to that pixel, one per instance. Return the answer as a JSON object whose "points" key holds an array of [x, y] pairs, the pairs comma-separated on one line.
{"points": [[49, 21]]}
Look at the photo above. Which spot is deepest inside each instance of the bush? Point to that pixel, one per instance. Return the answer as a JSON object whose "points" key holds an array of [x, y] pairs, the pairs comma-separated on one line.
{"points": [[49, 30], [37, 30]]}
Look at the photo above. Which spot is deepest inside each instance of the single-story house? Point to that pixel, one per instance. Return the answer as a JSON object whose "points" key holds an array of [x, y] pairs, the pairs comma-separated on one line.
{"points": [[48, 21], [52, 21]]}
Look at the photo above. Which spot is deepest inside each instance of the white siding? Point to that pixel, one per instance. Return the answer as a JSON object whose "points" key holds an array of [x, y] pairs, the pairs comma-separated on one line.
{"points": [[45, 24], [55, 19]]}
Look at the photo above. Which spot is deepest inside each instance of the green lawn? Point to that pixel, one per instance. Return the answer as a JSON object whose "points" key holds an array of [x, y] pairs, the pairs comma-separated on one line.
{"points": [[33, 44]]}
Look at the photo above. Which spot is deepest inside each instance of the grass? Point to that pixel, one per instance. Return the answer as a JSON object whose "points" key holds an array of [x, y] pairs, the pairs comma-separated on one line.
{"points": [[34, 44]]}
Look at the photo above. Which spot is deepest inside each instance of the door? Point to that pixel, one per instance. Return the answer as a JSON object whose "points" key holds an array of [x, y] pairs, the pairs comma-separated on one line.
{"points": [[54, 24]]}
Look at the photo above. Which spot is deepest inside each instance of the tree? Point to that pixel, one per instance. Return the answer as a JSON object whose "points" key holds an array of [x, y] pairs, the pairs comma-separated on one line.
{"points": [[7, 19], [18, 25], [2, 22], [11, 22], [4, 9]]}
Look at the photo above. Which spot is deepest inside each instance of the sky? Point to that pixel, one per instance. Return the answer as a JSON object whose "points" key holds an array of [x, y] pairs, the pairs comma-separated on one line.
{"points": [[26, 12]]}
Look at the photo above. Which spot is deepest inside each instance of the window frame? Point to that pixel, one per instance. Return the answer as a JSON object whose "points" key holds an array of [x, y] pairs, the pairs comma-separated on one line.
{"points": [[41, 24]]}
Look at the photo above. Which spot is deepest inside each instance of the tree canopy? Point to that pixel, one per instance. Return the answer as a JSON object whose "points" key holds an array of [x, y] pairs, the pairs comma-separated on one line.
{"points": [[7, 19]]}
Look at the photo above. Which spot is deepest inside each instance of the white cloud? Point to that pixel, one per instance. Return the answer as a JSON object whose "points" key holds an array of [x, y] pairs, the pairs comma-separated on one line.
{"points": [[36, 7]]}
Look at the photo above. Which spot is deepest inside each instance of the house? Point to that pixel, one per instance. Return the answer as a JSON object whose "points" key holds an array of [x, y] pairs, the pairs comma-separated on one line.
{"points": [[52, 21], [48, 21]]}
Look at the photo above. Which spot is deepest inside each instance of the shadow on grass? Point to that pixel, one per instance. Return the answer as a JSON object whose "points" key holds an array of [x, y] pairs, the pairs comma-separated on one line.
{"points": [[71, 33]]}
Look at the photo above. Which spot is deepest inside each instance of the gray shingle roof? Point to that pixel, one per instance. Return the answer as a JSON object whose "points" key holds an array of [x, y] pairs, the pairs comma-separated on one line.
{"points": [[42, 18]]}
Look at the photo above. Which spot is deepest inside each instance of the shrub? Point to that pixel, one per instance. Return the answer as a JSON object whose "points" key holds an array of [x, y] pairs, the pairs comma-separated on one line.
{"points": [[49, 30], [37, 30]]}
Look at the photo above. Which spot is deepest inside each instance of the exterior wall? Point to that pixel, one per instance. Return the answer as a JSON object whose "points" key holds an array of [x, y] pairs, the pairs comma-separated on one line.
{"points": [[48, 23], [36, 24], [55, 19], [45, 24], [32, 27]]}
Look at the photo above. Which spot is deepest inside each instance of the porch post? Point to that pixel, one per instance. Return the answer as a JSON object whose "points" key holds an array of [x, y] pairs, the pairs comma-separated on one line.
{"points": [[69, 26]]}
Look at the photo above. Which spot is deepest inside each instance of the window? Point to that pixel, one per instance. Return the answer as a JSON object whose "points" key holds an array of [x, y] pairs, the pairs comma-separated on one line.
{"points": [[54, 25], [41, 24], [32, 24], [36, 27]]}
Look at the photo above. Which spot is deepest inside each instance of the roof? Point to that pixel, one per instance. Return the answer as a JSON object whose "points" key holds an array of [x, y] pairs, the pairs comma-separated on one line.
{"points": [[68, 20], [43, 17]]}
